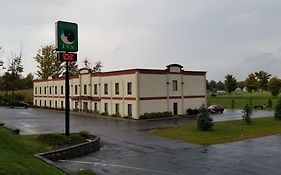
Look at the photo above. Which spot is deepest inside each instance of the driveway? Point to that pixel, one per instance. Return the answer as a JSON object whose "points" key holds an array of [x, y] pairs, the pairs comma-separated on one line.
{"points": [[126, 149]]}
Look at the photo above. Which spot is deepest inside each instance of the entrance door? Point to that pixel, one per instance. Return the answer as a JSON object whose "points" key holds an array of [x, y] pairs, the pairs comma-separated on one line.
{"points": [[85, 106], [175, 107]]}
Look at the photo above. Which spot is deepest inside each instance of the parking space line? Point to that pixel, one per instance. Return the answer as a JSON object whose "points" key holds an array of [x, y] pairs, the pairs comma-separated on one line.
{"points": [[120, 166]]}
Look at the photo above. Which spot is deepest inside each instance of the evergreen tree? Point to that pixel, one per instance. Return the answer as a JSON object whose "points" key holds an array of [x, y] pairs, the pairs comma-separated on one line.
{"points": [[247, 113], [269, 103], [277, 110], [204, 121]]}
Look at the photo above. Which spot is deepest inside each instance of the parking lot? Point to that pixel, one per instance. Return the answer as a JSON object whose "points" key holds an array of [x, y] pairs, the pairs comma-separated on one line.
{"points": [[127, 149]]}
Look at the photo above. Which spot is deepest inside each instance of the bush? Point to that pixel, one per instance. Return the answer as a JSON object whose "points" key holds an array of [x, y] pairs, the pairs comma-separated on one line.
{"points": [[104, 113], [269, 103], [204, 121], [247, 110], [85, 134], [190, 111], [277, 110], [156, 115]]}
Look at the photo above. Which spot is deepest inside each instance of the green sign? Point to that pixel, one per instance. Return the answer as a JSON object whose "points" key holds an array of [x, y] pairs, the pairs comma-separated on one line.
{"points": [[66, 36]]}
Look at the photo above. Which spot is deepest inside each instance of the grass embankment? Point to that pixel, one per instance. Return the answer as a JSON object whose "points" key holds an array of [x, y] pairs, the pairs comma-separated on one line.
{"points": [[240, 100], [16, 152], [16, 157], [226, 131]]}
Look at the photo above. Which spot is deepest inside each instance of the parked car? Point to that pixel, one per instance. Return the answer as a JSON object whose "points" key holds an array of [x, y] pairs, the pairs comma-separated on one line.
{"points": [[215, 109], [18, 103]]}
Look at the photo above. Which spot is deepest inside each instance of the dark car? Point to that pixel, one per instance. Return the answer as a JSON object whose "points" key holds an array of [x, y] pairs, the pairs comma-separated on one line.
{"points": [[18, 103], [215, 109]]}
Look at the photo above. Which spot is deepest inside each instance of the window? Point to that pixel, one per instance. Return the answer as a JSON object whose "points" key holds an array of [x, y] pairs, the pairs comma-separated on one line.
{"points": [[95, 89], [35, 90], [35, 102], [61, 89], [50, 90], [85, 89], [40, 102], [175, 85], [40, 90], [56, 90], [129, 88], [117, 108], [61, 104], [56, 104], [45, 90], [105, 107], [76, 89], [117, 88], [45, 103], [50, 103], [129, 110], [106, 88], [95, 107]]}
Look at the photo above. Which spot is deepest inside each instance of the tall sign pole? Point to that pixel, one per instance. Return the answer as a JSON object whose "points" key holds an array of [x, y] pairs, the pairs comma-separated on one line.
{"points": [[66, 46]]}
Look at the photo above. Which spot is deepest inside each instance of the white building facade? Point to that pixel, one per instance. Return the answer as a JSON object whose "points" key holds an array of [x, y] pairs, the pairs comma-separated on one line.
{"points": [[126, 93]]}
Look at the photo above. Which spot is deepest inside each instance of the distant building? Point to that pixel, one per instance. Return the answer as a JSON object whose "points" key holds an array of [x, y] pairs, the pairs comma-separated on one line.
{"points": [[126, 93]]}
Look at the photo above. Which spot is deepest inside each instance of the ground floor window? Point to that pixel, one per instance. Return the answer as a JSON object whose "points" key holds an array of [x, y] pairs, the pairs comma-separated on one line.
{"points": [[105, 107], [95, 106], [56, 104], [117, 108], [45, 103], [61, 104], [40, 102], [50, 103], [76, 105], [129, 110], [35, 102]]}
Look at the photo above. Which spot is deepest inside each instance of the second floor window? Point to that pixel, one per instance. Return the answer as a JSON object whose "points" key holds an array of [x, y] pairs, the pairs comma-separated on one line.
{"points": [[106, 88], [45, 90], [95, 89], [85, 89], [117, 88], [175, 85], [61, 89], [35, 90], [56, 90], [50, 90], [129, 88], [75, 89]]}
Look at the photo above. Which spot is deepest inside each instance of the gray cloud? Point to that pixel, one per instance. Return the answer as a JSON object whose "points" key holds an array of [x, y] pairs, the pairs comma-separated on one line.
{"points": [[220, 36]]}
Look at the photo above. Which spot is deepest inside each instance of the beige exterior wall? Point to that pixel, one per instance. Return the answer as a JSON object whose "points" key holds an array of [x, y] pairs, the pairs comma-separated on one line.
{"points": [[151, 91]]}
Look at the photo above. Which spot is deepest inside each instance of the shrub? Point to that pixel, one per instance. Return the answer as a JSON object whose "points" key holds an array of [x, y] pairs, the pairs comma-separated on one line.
{"points": [[156, 115], [204, 121], [104, 113], [85, 134], [269, 103], [247, 110], [232, 104], [277, 110], [190, 111]]}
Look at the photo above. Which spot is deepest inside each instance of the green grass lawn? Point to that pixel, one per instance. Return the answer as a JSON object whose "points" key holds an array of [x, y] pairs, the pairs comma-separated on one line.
{"points": [[16, 156], [240, 100], [226, 131], [16, 152]]}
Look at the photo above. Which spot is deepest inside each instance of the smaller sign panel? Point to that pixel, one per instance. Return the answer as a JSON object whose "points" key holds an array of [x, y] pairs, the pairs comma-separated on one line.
{"points": [[67, 56]]}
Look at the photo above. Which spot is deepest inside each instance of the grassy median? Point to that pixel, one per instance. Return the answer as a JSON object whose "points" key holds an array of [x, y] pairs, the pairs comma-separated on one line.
{"points": [[226, 131]]}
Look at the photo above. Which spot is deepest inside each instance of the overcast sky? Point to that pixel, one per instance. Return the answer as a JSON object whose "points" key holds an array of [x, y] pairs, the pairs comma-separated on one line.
{"points": [[220, 36]]}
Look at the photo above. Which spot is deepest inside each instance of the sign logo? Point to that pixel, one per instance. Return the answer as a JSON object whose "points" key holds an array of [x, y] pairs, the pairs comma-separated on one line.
{"points": [[66, 36]]}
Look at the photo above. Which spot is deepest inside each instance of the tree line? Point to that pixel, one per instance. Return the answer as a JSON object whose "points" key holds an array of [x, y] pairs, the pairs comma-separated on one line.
{"points": [[260, 80]]}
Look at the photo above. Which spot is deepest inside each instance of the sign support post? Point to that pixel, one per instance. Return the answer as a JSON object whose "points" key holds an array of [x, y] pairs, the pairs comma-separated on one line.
{"points": [[66, 41], [66, 99]]}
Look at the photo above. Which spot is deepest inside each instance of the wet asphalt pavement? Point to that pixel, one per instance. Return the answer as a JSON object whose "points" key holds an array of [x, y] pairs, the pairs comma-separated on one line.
{"points": [[126, 149]]}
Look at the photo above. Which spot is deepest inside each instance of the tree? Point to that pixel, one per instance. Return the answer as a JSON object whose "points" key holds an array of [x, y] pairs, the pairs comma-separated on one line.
{"points": [[212, 85], [274, 86], [251, 83], [230, 83], [277, 110], [204, 121], [97, 67], [48, 64], [247, 110], [220, 86], [269, 103], [241, 84], [13, 74], [263, 78]]}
